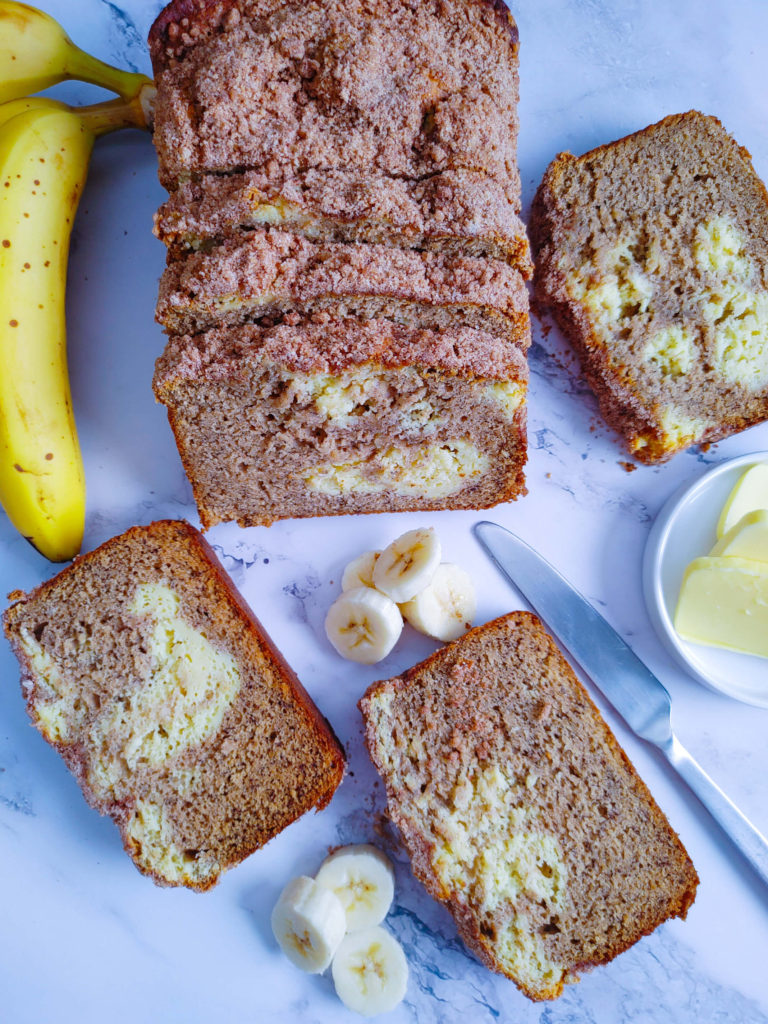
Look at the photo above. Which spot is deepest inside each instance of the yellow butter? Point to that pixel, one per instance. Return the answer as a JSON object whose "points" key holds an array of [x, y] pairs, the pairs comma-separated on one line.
{"points": [[724, 603], [749, 495], [747, 539]]}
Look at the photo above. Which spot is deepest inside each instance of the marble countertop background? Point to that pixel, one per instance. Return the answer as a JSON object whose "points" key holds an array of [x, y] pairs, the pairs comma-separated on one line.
{"points": [[84, 937]]}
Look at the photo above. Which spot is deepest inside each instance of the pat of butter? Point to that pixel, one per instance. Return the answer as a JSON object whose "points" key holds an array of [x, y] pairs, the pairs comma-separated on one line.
{"points": [[747, 539], [749, 494], [724, 603]]}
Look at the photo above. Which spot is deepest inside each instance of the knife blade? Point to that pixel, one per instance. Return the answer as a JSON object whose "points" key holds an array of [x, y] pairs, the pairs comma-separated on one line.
{"points": [[633, 690]]}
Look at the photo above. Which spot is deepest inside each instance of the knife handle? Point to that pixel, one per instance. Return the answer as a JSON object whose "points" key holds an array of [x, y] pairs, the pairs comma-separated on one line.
{"points": [[736, 826]]}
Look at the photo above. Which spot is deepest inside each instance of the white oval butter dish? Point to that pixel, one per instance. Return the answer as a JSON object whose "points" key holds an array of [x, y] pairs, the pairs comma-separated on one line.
{"points": [[685, 529]]}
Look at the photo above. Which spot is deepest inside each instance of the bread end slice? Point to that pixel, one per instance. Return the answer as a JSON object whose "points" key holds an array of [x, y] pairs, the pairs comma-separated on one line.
{"points": [[652, 253]]}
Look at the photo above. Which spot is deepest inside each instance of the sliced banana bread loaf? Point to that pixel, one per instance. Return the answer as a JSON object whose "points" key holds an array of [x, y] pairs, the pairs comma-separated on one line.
{"points": [[331, 416], [653, 254], [269, 273], [519, 809], [378, 86], [462, 213], [148, 673]]}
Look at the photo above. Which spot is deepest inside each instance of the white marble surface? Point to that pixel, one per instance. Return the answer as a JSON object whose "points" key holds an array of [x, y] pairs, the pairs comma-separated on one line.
{"points": [[83, 937]]}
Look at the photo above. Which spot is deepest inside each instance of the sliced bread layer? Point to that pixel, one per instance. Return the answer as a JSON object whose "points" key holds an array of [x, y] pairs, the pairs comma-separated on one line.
{"points": [[339, 416], [458, 212], [653, 255], [148, 673], [270, 273], [519, 809]]}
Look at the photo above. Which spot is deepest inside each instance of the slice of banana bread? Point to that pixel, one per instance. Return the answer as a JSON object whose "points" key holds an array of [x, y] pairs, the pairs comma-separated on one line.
{"points": [[387, 87], [462, 213], [269, 273], [653, 254], [519, 809], [334, 416], [149, 674]]}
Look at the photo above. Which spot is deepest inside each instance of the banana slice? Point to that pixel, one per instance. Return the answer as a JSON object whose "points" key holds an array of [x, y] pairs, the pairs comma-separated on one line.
{"points": [[446, 607], [363, 625], [370, 971], [363, 879], [359, 572], [309, 923], [407, 565]]}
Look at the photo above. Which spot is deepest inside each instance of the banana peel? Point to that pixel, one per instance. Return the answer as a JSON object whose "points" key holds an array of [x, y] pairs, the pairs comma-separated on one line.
{"points": [[45, 150], [36, 53]]}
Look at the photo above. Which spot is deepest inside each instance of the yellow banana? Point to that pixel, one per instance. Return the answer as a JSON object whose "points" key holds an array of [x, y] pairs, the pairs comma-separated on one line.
{"points": [[36, 52], [14, 107], [44, 156]]}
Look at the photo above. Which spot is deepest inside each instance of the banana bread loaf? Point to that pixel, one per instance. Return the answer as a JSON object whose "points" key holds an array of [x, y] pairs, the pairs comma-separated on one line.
{"points": [[148, 673], [342, 179], [330, 416], [518, 808], [653, 255]]}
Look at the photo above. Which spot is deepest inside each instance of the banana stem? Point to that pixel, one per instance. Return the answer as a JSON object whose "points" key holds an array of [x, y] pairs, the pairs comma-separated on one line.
{"points": [[103, 118], [83, 66]]}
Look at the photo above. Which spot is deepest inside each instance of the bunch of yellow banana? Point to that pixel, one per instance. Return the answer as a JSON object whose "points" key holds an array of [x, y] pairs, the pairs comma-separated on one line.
{"points": [[45, 150]]}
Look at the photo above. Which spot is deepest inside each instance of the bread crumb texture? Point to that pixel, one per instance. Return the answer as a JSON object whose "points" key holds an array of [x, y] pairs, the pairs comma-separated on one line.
{"points": [[141, 666], [518, 808], [652, 253]]}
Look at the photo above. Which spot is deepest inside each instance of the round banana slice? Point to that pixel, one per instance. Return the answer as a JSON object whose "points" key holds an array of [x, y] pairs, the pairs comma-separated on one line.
{"points": [[359, 572], [446, 607], [309, 923], [370, 971], [363, 879], [407, 565], [363, 625]]}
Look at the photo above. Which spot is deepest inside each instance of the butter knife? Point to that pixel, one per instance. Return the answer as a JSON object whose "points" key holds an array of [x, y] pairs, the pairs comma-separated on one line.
{"points": [[638, 696]]}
